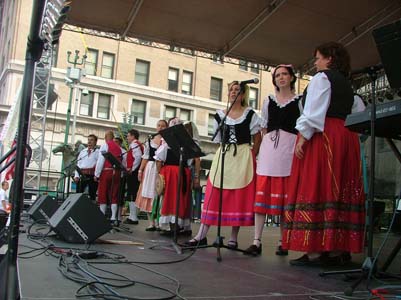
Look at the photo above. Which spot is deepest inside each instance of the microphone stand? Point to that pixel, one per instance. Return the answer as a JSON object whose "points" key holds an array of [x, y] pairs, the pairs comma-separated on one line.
{"points": [[222, 129]]}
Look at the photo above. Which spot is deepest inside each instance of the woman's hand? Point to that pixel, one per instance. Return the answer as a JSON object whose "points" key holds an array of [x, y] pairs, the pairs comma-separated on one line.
{"points": [[140, 175], [299, 151], [263, 131]]}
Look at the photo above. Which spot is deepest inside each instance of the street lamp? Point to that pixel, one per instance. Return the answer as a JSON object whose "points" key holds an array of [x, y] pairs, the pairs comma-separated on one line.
{"points": [[73, 78]]}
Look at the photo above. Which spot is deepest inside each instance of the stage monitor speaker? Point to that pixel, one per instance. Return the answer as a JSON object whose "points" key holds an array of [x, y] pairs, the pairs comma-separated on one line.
{"points": [[78, 220], [388, 42], [43, 208]]}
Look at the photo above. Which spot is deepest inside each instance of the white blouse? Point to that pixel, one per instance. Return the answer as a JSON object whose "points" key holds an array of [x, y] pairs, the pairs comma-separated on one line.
{"points": [[254, 126], [316, 105]]}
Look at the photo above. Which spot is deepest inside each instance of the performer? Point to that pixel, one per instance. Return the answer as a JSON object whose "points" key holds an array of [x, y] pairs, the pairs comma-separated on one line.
{"points": [[279, 115], [147, 176], [108, 178], [194, 166], [134, 155], [167, 162], [325, 214], [86, 163], [5, 207], [120, 141], [239, 172]]}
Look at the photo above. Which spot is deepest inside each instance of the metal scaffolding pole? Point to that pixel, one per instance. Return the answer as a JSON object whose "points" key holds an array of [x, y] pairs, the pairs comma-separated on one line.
{"points": [[33, 53]]}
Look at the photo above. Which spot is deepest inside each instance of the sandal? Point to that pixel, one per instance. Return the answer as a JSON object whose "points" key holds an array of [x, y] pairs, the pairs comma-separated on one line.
{"points": [[195, 243], [232, 245]]}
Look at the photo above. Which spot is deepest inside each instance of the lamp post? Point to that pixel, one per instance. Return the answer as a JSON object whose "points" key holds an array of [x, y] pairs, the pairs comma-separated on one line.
{"points": [[74, 75], [73, 78]]}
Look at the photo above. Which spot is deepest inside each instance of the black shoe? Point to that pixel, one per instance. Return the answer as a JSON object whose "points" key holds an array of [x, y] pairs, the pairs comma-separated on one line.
{"points": [[304, 260], [114, 223], [281, 252], [166, 233], [195, 243], [232, 245], [150, 228], [253, 250], [185, 232], [129, 221]]}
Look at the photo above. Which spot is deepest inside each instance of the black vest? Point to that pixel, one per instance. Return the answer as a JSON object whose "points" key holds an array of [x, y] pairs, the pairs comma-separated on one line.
{"points": [[284, 118], [242, 131], [172, 158], [152, 152], [342, 95]]}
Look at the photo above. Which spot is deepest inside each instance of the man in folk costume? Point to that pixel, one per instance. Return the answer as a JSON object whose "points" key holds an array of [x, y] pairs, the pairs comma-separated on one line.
{"points": [[108, 178], [86, 164], [134, 157]]}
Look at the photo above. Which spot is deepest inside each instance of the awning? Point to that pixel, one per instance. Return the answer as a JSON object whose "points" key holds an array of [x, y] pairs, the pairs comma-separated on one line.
{"points": [[264, 31]]}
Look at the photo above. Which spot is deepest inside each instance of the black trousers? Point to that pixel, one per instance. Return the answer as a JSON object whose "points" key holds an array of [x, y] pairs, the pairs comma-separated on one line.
{"points": [[89, 182], [132, 185]]}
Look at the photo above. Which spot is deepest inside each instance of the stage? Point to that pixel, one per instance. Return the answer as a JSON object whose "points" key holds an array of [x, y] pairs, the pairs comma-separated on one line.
{"points": [[200, 276]]}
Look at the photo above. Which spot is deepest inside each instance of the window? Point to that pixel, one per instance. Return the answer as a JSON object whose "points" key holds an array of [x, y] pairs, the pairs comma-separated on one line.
{"points": [[255, 68], [243, 65], [170, 112], [107, 65], [173, 79], [253, 97], [86, 106], [216, 85], [185, 114], [210, 127], [217, 59], [103, 107], [138, 109], [91, 62], [142, 72], [186, 87]]}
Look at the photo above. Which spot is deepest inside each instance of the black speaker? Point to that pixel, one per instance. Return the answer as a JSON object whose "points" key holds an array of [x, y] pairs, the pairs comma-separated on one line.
{"points": [[388, 42], [78, 220], [43, 208]]}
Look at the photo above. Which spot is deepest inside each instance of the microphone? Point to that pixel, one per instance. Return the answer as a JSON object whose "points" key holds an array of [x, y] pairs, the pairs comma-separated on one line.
{"points": [[250, 81]]}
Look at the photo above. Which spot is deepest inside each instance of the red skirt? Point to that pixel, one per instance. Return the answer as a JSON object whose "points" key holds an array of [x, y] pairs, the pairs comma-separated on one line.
{"points": [[271, 195], [237, 209], [169, 202], [326, 200]]}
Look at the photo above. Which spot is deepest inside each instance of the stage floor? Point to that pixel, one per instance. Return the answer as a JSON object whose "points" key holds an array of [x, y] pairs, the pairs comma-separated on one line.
{"points": [[200, 275]]}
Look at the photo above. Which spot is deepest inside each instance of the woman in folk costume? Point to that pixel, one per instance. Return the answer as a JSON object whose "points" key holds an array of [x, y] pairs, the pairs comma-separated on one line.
{"points": [[325, 214], [147, 176], [167, 162], [279, 115], [239, 171]]}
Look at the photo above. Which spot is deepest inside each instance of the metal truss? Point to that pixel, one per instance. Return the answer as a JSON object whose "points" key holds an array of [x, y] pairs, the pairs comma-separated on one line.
{"points": [[362, 29], [40, 95]]}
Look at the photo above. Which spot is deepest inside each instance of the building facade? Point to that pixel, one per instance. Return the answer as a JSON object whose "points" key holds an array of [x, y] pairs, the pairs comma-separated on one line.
{"points": [[138, 79]]}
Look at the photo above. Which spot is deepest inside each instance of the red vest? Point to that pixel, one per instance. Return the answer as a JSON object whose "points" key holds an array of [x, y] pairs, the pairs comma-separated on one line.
{"points": [[114, 149], [130, 157]]}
